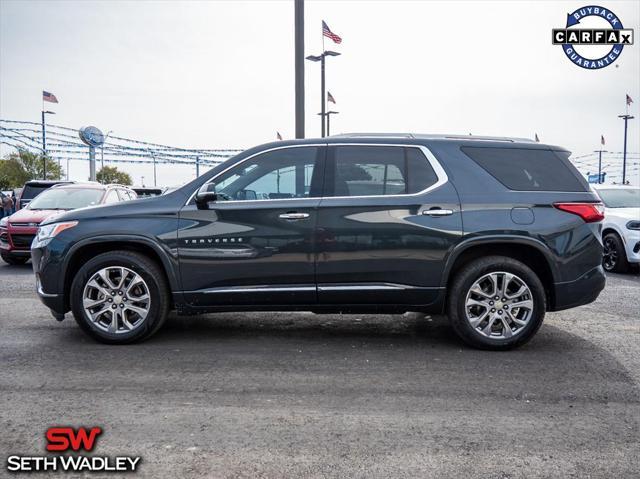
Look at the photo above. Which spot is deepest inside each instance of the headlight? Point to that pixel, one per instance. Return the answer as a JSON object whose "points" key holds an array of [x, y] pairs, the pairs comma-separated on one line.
{"points": [[4, 221], [50, 231], [633, 225]]}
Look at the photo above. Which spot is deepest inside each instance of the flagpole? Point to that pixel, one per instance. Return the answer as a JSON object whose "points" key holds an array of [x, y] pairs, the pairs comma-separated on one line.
{"points": [[44, 146]]}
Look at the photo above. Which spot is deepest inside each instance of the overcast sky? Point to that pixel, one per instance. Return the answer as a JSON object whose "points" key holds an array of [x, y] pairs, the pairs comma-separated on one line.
{"points": [[214, 74]]}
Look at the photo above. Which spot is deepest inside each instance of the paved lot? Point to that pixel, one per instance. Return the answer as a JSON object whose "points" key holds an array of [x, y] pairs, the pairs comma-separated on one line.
{"points": [[289, 395]]}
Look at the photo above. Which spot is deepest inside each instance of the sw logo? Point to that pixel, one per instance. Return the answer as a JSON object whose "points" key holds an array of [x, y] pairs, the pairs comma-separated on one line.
{"points": [[65, 438], [593, 37], [68, 439]]}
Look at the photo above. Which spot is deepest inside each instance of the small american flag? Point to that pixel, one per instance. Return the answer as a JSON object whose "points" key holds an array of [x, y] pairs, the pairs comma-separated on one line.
{"points": [[602, 140], [326, 31], [50, 97], [278, 135], [629, 100], [330, 98], [537, 139]]}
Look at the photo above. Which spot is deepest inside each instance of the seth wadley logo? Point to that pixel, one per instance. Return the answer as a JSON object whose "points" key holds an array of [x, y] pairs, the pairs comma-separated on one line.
{"points": [[595, 47], [67, 439]]}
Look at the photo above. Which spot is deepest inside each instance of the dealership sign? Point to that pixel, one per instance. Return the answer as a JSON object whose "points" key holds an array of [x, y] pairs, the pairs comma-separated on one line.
{"points": [[593, 37], [66, 440]]}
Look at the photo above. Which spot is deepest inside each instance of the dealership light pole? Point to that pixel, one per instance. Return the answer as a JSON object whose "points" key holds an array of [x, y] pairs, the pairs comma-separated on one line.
{"points": [[102, 155], [321, 58], [328, 115], [600, 152], [299, 66], [626, 118], [44, 142]]}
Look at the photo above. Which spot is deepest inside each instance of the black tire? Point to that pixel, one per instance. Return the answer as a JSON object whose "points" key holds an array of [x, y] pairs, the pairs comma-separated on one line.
{"points": [[14, 260], [155, 281], [614, 256], [465, 279]]}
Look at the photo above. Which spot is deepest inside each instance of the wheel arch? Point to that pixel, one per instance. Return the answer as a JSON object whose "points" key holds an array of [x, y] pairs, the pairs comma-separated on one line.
{"points": [[529, 251], [84, 250]]}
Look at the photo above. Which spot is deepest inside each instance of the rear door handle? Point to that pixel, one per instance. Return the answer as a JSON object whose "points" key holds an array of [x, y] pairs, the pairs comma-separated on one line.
{"points": [[437, 212], [293, 216]]}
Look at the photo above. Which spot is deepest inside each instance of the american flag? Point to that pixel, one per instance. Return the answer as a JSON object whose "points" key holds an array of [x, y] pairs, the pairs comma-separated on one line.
{"points": [[50, 97], [328, 33], [602, 139], [629, 100], [330, 98], [278, 135], [537, 139]]}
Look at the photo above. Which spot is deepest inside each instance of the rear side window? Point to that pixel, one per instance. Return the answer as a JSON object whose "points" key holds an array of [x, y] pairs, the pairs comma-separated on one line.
{"points": [[523, 169], [379, 171]]}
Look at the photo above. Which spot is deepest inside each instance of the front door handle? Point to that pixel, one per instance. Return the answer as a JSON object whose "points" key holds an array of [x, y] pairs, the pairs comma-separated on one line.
{"points": [[437, 212], [293, 216]]}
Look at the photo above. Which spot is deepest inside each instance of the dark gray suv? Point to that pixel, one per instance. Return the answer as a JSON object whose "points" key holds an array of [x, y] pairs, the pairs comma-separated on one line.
{"points": [[493, 232]]}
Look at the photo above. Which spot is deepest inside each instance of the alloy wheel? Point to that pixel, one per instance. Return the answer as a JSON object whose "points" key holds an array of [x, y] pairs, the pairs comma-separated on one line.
{"points": [[116, 300], [499, 305], [610, 254]]}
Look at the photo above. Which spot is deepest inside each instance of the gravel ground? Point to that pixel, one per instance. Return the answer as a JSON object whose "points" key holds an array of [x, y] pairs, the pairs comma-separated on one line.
{"points": [[290, 395]]}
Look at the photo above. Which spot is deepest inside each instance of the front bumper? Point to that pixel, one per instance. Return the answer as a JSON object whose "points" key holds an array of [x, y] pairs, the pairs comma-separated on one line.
{"points": [[632, 245], [583, 290], [17, 240], [51, 292]]}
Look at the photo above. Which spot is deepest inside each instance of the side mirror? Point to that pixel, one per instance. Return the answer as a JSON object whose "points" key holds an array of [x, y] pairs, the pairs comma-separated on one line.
{"points": [[206, 194]]}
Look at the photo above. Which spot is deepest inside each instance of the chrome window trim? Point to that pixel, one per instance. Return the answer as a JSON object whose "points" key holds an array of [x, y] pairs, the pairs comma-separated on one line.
{"points": [[441, 175]]}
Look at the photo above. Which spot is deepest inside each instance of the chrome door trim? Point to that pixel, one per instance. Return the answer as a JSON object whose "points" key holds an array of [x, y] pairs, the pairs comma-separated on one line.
{"points": [[293, 216], [435, 164], [255, 289], [437, 212]]}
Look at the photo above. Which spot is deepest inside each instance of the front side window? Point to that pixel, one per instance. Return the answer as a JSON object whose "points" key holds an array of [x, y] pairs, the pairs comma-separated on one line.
{"points": [[379, 171], [278, 174]]}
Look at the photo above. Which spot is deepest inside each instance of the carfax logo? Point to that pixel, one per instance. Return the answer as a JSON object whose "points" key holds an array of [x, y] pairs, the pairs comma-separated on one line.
{"points": [[593, 37], [67, 439]]}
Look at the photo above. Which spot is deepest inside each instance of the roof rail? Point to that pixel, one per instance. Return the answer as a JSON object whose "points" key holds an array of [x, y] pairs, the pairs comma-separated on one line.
{"points": [[434, 137]]}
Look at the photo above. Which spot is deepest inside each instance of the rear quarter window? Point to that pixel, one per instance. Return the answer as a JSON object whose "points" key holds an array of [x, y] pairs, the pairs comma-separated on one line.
{"points": [[524, 169]]}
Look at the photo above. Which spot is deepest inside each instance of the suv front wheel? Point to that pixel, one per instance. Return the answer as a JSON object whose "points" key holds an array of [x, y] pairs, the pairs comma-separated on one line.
{"points": [[496, 303], [120, 297]]}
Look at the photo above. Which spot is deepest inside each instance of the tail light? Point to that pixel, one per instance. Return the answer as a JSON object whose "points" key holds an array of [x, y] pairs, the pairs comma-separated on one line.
{"points": [[589, 212]]}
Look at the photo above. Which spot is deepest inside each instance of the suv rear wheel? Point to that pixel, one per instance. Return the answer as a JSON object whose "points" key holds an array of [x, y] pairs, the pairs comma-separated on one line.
{"points": [[120, 297], [496, 303]]}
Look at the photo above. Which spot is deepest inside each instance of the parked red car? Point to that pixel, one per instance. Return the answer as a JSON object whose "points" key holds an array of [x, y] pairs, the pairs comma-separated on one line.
{"points": [[18, 230]]}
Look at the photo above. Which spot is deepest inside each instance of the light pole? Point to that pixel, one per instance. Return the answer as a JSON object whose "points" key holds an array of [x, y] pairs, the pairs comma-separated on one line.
{"points": [[298, 14], [102, 155], [600, 152], [329, 113], [154, 167], [626, 118], [44, 142], [321, 58]]}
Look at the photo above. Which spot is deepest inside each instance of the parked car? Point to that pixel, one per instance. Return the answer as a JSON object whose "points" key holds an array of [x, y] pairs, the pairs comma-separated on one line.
{"points": [[33, 188], [146, 191], [491, 231], [621, 227], [18, 230]]}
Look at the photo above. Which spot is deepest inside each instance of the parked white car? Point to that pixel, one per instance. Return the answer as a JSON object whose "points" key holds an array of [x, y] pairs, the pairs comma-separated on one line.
{"points": [[621, 226]]}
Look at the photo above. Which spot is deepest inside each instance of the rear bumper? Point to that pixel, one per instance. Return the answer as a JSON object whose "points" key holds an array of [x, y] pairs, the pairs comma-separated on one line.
{"points": [[583, 290]]}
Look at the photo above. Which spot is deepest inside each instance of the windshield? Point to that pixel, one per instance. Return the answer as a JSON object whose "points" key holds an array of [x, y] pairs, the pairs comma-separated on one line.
{"points": [[66, 199], [621, 198]]}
